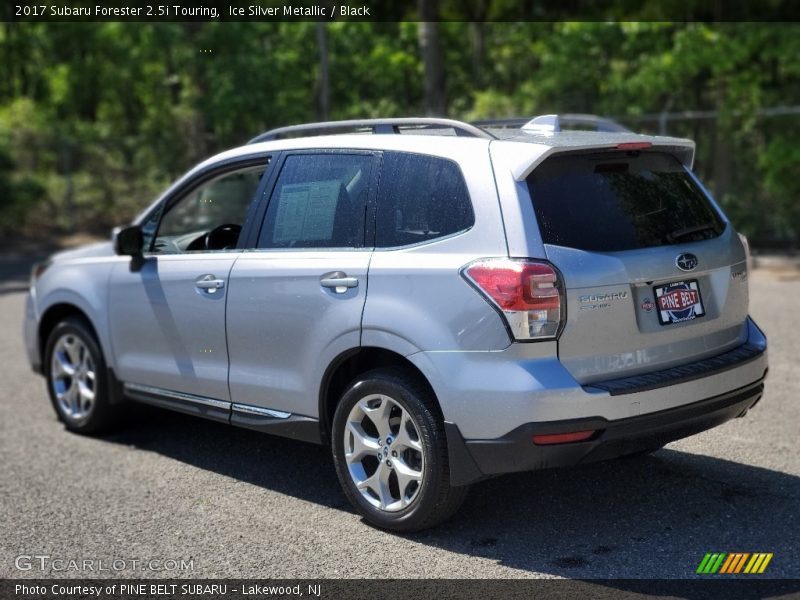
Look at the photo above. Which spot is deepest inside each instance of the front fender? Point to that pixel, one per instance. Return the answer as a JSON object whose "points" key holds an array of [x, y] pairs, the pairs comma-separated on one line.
{"points": [[82, 285]]}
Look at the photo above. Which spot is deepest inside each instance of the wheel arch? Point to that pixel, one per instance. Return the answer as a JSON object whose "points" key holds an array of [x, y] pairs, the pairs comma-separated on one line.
{"points": [[56, 313], [349, 365]]}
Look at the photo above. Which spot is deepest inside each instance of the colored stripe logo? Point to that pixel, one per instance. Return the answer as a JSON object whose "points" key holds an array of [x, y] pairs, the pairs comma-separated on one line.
{"points": [[734, 562]]}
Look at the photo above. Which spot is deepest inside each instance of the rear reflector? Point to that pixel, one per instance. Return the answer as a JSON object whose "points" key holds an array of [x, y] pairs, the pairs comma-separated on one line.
{"points": [[634, 146], [527, 292], [562, 438]]}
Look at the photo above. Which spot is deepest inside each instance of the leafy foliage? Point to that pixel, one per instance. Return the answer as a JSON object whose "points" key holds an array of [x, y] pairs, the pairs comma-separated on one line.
{"points": [[97, 118]]}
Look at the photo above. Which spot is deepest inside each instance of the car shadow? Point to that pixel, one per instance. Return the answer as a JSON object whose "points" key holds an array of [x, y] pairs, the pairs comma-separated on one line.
{"points": [[649, 517]]}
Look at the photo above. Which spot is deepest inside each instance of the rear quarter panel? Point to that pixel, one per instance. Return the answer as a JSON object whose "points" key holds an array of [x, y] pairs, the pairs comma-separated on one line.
{"points": [[417, 299]]}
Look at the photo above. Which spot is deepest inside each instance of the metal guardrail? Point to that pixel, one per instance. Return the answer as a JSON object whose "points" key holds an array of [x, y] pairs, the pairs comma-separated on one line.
{"points": [[478, 128], [665, 117]]}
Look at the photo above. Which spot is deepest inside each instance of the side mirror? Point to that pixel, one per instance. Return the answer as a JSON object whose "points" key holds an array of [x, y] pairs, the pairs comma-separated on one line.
{"points": [[128, 241]]}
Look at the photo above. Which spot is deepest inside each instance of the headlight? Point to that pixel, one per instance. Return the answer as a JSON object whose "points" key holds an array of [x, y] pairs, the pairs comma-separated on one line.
{"points": [[38, 269]]}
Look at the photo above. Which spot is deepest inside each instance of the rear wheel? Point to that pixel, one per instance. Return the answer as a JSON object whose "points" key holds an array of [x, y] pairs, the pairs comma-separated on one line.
{"points": [[76, 378], [390, 452]]}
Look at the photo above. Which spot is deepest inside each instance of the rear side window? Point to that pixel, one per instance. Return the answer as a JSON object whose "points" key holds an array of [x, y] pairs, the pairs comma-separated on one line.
{"points": [[319, 201], [420, 198], [612, 202]]}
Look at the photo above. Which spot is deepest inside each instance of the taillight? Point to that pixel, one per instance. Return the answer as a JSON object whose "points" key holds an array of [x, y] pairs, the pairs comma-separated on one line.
{"points": [[527, 292], [746, 246], [38, 269], [634, 146], [562, 438]]}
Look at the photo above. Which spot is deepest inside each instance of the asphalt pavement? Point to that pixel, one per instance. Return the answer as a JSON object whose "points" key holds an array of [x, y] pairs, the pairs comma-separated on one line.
{"points": [[236, 503]]}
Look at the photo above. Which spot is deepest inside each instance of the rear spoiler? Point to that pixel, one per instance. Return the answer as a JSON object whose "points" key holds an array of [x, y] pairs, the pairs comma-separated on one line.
{"points": [[525, 162]]}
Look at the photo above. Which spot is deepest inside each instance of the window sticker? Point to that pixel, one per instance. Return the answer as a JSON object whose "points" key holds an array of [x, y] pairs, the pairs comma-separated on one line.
{"points": [[306, 211]]}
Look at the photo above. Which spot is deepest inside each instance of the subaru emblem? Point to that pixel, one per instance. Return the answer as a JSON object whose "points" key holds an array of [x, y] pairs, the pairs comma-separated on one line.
{"points": [[686, 261]]}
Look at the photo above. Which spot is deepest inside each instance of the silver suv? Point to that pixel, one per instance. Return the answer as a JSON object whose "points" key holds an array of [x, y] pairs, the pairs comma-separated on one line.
{"points": [[438, 302]]}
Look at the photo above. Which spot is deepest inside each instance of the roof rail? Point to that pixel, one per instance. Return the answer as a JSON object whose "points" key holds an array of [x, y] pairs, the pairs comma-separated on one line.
{"points": [[374, 126], [553, 123]]}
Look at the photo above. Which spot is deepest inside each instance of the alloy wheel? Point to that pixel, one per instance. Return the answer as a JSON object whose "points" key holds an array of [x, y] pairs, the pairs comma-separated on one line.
{"points": [[384, 453], [73, 377]]}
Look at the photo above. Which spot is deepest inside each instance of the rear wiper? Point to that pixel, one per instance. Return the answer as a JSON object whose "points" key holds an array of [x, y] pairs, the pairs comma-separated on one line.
{"points": [[681, 233]]}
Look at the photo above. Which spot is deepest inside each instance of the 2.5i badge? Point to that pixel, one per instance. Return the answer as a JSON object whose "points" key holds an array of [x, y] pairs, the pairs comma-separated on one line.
{"points": [[679, 301]]}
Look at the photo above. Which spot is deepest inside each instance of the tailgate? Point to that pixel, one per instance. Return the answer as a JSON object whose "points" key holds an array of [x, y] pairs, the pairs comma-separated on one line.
{"points": [[654, 276]]}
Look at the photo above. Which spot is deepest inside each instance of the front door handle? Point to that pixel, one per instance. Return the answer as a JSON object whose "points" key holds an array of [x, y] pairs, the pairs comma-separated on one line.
{"points": [[338, 281], [209, 283]]}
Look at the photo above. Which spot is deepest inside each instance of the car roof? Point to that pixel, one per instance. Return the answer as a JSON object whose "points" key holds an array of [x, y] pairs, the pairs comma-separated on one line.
{"points": [[524, 149], [514, 150], [521, 148]]}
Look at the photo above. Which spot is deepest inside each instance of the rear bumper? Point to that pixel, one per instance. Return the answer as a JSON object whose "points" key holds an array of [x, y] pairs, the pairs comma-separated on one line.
{"points": [[516, 451], [728, 385], [752, 350], [488, 394]]}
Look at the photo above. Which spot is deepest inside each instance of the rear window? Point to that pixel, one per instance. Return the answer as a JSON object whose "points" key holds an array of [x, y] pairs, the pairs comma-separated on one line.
{"points": [[319, 201], [613, 201]]}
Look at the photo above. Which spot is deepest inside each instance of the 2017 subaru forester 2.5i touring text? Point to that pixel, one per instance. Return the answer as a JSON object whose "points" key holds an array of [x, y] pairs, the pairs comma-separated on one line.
{"points": [[436, 301]]}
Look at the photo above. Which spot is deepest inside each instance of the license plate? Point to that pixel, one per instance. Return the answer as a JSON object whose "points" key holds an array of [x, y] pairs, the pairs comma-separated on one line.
{"points": [[678, 302]]}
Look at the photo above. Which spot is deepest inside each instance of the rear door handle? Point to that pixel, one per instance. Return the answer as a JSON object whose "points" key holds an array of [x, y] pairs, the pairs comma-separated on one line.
{"points": [[338, 281], [209, 283]]}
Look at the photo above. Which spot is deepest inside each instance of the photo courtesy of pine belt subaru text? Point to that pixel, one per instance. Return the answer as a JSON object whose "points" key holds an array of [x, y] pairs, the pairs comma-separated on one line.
{"points": [[438, 302]]}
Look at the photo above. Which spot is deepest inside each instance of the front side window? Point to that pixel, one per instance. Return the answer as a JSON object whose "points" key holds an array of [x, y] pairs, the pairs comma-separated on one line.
{"points": [[319, 201], [420, 198], [211, 216]]}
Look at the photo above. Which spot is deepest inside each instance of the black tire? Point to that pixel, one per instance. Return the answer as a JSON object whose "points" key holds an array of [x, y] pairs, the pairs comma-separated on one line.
{"points": [[101, 415], [435, 500]]}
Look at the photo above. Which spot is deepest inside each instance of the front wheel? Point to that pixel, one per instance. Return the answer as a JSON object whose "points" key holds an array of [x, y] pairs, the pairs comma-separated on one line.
{"points": [[390, 452], [76, 378]]}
